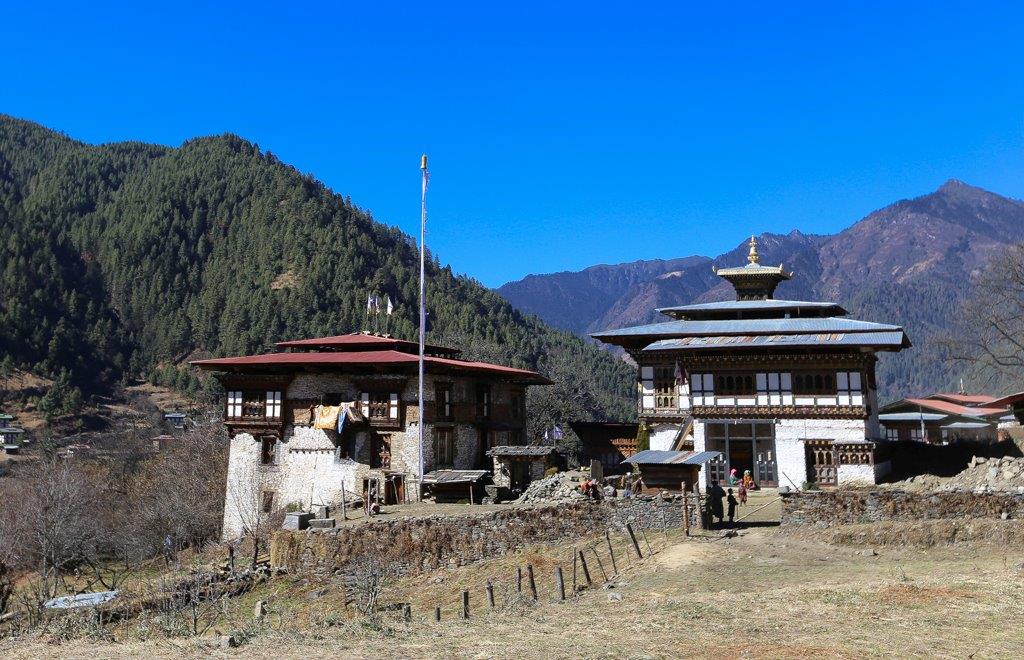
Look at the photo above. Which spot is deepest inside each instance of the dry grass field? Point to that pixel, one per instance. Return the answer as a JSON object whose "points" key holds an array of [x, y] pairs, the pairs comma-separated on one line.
{"points": [[766, 593]]}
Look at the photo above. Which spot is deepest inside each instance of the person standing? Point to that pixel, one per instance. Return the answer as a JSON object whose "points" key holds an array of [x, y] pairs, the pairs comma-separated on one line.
{"points": [[715, 495], [732, 508]]}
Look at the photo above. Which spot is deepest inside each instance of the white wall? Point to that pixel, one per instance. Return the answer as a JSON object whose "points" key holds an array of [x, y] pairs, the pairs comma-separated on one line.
{"points": [[856, 474], [790, 434]]}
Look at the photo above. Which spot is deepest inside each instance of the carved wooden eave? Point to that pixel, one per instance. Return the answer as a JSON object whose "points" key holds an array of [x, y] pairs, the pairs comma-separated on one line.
{"points": [[776, 412], [255, 428]]}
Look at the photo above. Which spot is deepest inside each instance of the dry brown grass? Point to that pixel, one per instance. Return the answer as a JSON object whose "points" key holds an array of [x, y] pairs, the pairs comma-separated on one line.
{"points": [[765, 594]]}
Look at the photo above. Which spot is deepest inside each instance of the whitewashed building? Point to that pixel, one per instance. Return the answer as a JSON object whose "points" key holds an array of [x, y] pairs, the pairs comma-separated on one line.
{"points": [[783, 388], [285, 456]]}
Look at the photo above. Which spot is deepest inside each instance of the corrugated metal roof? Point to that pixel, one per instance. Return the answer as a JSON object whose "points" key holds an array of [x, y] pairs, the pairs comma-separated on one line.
{"points": [[880, 339], [359, 340], [910, 417], [452, 476], [522, 450], [663, 457], [967, 425], [749, 327]]}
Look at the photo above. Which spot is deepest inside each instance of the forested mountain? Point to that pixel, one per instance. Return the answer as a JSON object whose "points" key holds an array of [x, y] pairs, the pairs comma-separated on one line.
{"points": [[121, 258], [910, 263]]}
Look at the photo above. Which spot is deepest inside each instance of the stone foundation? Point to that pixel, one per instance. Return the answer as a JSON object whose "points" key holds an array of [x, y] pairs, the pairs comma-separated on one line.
{"points": [[839, 507], [416, 545]]}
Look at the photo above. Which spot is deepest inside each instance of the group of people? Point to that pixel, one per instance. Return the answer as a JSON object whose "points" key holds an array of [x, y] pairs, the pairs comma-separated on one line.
{"points": [[716, 494]]}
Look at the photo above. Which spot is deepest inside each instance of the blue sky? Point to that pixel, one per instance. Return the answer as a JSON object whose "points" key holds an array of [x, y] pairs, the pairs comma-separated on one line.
{"points": [[559, 137]]}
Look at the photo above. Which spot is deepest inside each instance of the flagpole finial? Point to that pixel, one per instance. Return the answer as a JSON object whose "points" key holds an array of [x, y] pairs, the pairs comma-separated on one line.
{"points": [[423, 162]]}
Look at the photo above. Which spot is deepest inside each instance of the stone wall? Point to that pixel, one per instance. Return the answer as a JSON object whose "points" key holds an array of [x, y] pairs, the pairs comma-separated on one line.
{"points": [[416, 545], [841, 507]]}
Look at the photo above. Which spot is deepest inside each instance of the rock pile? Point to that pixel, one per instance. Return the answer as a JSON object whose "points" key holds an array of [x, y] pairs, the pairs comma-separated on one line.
{"points": [[990, 475], [556, 488]]}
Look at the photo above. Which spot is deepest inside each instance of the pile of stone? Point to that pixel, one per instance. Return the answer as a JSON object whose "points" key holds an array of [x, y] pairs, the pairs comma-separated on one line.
{"points": [[556, 488], [989, 475]]}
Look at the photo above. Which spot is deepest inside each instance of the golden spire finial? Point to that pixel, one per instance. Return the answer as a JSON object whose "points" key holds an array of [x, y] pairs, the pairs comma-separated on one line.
{"points": [[753, 257], [423, 162]]}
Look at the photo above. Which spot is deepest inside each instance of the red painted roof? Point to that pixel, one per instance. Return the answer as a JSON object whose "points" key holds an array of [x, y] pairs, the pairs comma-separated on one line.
{"points": [[953, 408], [964, 399], [384, 358], [358, 340]]}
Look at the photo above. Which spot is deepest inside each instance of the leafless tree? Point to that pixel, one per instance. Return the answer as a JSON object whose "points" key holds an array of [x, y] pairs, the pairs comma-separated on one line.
{"points": [[49, 521], [990, 331]]}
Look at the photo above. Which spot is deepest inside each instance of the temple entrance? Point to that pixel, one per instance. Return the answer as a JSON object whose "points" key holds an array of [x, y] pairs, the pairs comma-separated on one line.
{"points": [[744, 446]]}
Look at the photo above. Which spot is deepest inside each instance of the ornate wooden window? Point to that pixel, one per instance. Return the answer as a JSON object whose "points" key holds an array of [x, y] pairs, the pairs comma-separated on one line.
{"points": [[483, 401], [665, 391], [735, 385], [380, 406], [814, 382], [444, 448], [443, 401], [253, 405]]}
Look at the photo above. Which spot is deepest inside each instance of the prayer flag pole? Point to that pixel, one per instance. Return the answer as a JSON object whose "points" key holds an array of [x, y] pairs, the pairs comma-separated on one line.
{"points": [[423, 307]]}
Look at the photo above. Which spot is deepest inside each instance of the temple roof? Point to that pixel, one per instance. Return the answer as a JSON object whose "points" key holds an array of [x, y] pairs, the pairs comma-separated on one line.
{"points": [[754, 281], [386, 360], [735, 309], [361, 341]]}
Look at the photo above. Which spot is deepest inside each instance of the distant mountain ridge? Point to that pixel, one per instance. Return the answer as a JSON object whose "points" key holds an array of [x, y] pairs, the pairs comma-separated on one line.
{"points": [[909, 263]]}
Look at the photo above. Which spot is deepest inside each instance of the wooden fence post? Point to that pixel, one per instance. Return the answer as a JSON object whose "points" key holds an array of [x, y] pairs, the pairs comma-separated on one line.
{"points": [[437, 613], [560, 581], [574, 570], [600, 564], [465, 604], [686, 510], [519, 580], [583, 564], [611, 552], [646, 542], [632, 537], [490, 593], [533, 584]]}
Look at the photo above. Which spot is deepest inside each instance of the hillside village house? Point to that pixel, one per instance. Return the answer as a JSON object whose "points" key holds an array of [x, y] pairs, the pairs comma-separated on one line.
{"points": [[941, 418], [783, 388], [323, 416]]}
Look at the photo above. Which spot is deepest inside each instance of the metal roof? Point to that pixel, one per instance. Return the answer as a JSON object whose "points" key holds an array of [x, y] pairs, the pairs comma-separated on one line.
{"points": [[522, 450], [967, 425], [754, 305], [388, 358], [11, 429], [452, 476], [363, 341], [911, 417], [749, 327], [663, 457], [879, 339]]}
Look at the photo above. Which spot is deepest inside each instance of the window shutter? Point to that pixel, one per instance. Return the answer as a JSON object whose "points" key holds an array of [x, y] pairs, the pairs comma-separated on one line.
{"points": [[787, 388], [762, 389], [647, 388], [393, 409], [364, 399], [683, 394]]}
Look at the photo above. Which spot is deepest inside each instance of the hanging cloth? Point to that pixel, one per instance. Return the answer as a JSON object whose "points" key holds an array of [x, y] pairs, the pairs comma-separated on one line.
{"points": [[342, 417], [326, 417]]}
